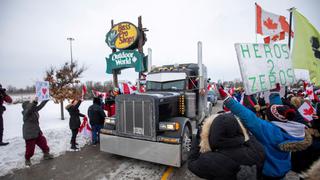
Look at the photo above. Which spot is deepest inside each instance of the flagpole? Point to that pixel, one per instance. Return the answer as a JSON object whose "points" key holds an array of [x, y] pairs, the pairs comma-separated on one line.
{"points": [[290, 26], [255, 27]]}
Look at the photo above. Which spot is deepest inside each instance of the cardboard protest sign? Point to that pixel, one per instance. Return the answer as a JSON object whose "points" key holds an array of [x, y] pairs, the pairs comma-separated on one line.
{"points": [[264, 65], [302, 74], [42, 90]]}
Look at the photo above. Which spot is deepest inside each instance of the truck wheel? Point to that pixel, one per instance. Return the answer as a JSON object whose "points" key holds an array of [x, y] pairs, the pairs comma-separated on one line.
{"points": [[186, 144]]}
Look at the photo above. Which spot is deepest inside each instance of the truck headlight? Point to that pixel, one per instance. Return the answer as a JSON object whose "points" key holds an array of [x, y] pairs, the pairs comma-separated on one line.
{"points": [[109, 120], [169, 126]]}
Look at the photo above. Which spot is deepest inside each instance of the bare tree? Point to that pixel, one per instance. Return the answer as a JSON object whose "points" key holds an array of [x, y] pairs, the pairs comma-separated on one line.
{"points": [[63, 83]]}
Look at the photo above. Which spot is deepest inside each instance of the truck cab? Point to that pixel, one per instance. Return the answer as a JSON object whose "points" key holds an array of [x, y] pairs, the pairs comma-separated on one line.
{"points": [[157, 125]]}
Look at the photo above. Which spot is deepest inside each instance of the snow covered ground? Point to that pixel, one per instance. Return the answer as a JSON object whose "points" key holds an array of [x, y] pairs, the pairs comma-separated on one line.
{"points": [[55, 130]]}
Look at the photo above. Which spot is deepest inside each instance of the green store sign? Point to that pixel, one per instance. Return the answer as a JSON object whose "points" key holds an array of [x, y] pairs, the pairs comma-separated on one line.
{"points": [[125, 59]]}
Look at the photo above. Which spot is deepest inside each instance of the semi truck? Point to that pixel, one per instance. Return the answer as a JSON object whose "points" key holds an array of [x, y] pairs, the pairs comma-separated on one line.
{"points": [[157, 125]]}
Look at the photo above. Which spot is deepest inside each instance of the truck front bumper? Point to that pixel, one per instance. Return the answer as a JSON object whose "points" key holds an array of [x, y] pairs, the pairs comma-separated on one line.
{"points": [[162, 153]]}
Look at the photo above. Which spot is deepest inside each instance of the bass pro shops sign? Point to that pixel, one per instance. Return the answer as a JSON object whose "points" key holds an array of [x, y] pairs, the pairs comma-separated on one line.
{"points": [[125, 59], [264, 65], [123, 36]]}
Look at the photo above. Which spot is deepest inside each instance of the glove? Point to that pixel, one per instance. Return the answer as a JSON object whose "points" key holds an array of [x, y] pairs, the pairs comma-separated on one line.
{"points": [[223, 93]]}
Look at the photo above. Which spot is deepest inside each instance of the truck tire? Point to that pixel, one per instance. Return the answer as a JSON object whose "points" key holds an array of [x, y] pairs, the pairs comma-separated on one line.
{"points": [[185, 144]]}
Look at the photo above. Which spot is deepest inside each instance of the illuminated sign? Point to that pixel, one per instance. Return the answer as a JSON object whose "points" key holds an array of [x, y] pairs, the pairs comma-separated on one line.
{"points": [[122, 36]]}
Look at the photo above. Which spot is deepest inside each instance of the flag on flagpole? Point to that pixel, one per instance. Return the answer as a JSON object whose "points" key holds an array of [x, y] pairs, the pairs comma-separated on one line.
{"points": [[306, 51], [274, 38], [270, 24]]}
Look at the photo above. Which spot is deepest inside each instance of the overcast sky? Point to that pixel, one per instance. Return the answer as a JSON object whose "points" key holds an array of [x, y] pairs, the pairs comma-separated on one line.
{"points": [[33, 33]]}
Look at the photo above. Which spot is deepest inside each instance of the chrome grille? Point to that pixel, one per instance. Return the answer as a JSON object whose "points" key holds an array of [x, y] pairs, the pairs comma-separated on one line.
{"points": [[136, 117]]}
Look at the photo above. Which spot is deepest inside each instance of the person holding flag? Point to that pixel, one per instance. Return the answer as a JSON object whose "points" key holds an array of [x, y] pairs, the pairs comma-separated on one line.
{"points": [[279, 137], [74, 123], [96, 115]]}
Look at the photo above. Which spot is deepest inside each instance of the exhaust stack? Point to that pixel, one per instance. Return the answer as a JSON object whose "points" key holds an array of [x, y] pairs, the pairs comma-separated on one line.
{"points": [[201, 82], [149, 59]]}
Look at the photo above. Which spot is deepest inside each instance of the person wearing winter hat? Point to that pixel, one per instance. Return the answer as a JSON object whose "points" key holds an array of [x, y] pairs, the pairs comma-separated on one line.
{"points": [[312, 153], [74, 123], [279, 136], [223, 149], [96, 116], [4, 97], [31, 130]]}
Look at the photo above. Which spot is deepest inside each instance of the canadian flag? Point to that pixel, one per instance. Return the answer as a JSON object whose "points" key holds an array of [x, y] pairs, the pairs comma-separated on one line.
{"points": [[98, 93], [127, 88], [85, 128], [270, 24], [274, 38], [84, 90], [309, 92], [306, 110]]}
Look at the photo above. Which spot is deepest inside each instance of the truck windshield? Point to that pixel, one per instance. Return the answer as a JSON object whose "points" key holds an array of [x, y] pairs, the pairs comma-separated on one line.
{"points": [[171, 85]]}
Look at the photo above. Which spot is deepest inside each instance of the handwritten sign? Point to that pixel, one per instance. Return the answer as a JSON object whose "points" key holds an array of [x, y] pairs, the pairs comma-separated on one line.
{"points": [[122, 36], [264, 65], [42, 90]]}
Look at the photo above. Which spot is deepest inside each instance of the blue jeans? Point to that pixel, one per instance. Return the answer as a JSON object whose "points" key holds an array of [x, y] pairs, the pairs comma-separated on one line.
{"points": [[96, 133]]}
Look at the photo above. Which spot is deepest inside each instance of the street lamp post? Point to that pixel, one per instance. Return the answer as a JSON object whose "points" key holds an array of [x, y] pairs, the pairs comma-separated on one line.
{"points": [[71, 39]]}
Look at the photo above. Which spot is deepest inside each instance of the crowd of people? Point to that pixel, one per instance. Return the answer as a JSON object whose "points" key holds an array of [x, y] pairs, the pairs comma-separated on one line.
{"points": [[258, 138], [253, 138], [32, 133]]}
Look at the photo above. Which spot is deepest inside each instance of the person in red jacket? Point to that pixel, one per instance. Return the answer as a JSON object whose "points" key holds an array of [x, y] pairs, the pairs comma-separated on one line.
{"points": [[3, 98]]}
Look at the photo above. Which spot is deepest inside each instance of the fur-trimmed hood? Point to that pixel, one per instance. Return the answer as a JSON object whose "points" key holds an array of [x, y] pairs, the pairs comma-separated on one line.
{"points": [[222, 131], [314, 172]]}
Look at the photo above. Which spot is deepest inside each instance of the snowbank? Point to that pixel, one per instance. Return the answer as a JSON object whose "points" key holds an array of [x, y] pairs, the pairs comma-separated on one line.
{"points": [[55, 130]]}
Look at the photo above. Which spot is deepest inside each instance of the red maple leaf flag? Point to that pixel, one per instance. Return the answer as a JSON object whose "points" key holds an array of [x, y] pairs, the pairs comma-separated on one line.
{"points": [[309, 92], [274, 38], [306, 110], [84, 90], [269, 23]]}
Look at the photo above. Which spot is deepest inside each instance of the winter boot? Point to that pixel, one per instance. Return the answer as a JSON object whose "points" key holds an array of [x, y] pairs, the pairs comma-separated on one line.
{"points": [[28, 162], [74, 147], [75, 143], [47, 156], [3, 143]]}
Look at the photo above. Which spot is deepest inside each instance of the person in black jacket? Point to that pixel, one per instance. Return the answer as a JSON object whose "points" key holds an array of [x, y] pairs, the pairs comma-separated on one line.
{"points": [[3, 98], [96, 117], [74, 122], [224, 150]]}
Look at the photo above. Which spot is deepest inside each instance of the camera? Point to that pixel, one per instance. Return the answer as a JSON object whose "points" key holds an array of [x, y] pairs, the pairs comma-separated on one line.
{"points": [[2, 92]]}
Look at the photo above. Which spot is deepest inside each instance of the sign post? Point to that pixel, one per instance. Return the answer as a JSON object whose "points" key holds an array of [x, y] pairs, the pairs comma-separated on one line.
{"points": [[264, 65], [126, 38]]}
